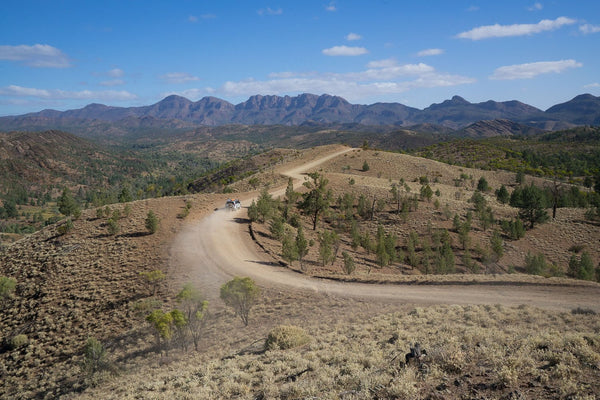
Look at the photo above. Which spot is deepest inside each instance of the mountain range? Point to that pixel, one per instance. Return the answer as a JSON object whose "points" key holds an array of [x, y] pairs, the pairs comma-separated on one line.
{"points": [[176, 112]]}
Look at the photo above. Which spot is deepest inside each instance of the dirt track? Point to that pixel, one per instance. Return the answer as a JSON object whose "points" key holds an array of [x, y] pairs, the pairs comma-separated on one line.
{"points": [[218, 247]]}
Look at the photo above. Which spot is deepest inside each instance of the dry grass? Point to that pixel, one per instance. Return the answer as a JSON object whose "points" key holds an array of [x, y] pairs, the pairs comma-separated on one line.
{"points": [[480, 351]]}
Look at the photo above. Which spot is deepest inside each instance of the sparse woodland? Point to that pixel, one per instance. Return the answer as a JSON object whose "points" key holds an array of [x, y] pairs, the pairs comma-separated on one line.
{"points": [[91, 307]]}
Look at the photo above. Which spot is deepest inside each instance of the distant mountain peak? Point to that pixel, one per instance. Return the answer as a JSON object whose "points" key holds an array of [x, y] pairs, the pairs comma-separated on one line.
{"points": [[175, 98], [458, 100]]}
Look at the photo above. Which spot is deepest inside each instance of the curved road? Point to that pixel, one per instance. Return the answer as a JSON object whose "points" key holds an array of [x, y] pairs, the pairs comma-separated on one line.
{"points": [[219, 247]]}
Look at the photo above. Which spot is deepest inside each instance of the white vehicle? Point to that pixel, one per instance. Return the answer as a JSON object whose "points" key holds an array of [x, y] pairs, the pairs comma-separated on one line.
{"points": [[233, 205]]}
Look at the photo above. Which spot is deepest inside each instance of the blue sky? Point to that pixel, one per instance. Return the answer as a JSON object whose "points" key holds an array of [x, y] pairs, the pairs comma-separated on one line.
{"points": [[67, 54]]}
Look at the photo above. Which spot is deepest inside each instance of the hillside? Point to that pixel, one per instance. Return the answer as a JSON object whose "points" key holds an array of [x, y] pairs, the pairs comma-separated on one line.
{"points": [[95, 275], [496, 127], [572, 153]]}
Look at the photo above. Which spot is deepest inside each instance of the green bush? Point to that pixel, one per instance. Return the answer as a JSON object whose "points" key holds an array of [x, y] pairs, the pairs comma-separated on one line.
{"points": [[151, 222], [18, 341], [65, 228], [285, 337], [7, 287]]}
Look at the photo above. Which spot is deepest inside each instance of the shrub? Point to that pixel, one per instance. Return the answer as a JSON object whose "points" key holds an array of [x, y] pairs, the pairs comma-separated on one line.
{"points": [[94, 358], [482, 185], [151, 222], [65, 228], [285, 337], [18, 341], [113, 227], [7, 287], [582, 268], [349, 265], [513, 228], [535, 264], [153, 279], [502, 195], [365, 166]]}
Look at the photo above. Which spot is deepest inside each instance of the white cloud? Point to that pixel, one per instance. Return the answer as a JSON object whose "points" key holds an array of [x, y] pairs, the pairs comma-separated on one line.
{"points": [[345, 51], [531, 70], [38, 55], [592, 85], [587, 28], [491, 31], [331, 7], [270, 11], [473, 8], [112, 82], [382, 77], [55, 94], [193, 19], [353, 36], [430, 52], [536, 7], [388, 62], [178, 77], [116, 73]]}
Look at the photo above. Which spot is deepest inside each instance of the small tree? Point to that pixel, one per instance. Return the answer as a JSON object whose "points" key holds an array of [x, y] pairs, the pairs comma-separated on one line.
{"points": [[520, 177], [94, 358], [151, 222], [67, 204], [502, 195], [265, 205], [497, 245], [153, 279], [349, 265], [365, 166], [291, 198], [411, 244], [316, 201], [326, 247], [253, 211], [195, 309], [289, 251], [241, 294], [162, 323], [180, 322], [482, 185], [301, 246], [532, 202], [277, 227], [426, 193]]}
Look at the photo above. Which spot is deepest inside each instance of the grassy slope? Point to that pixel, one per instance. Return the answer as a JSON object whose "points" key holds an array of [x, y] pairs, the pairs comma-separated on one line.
{"points": [[482, 351]]}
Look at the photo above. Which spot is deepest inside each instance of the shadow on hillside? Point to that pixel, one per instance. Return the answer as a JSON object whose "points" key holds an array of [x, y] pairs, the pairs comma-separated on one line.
{"points": [[269, 263], [135, 234]]}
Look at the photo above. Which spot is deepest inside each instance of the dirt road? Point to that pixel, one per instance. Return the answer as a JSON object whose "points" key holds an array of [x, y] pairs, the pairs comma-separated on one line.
{"points": [[218, 247]]}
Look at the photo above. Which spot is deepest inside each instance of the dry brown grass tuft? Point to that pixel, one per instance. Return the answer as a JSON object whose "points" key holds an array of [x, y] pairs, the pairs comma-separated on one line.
{"points": [[285, 337]]}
